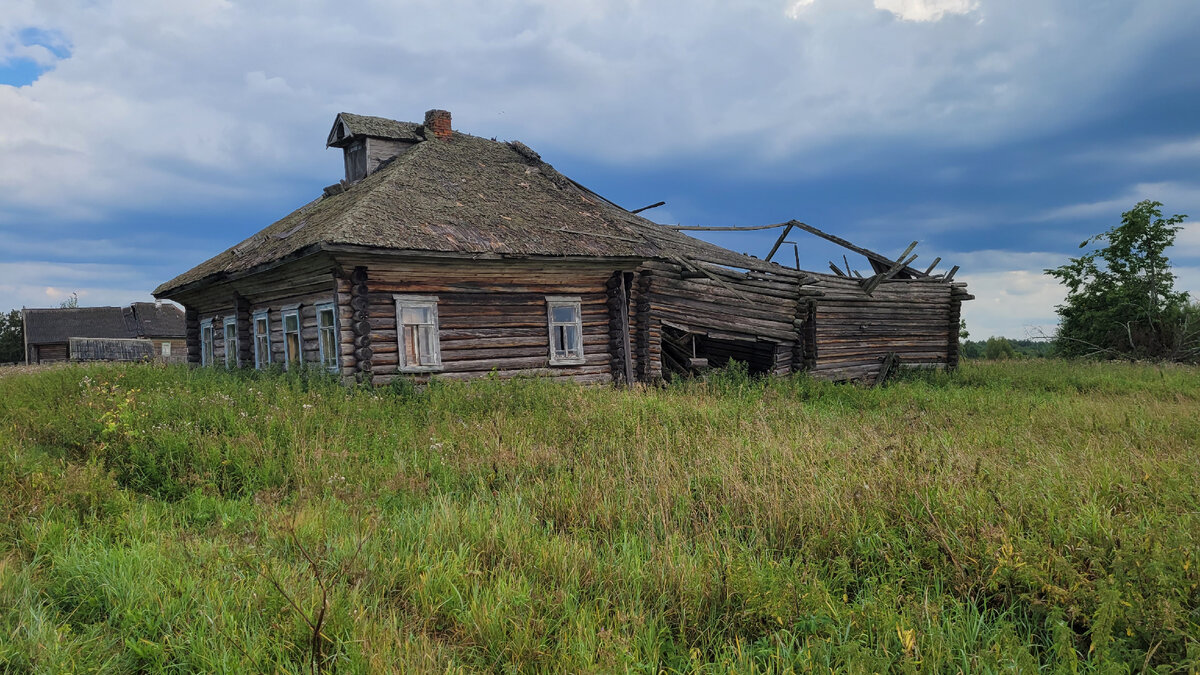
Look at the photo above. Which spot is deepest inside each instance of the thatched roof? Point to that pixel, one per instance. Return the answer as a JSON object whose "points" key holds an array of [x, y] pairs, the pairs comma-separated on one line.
{"points": [[467, 196]]}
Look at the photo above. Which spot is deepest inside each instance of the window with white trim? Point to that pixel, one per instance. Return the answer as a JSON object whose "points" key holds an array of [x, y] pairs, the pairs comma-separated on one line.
{"points": [[565, 317], [327, 335], [166, 349], [292, 346], [417, 333], [231, 342], [206, 342], [262, 339]]}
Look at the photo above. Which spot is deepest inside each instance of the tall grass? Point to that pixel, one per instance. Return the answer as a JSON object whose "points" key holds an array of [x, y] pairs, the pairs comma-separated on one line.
{"points": [[1010, 516]]}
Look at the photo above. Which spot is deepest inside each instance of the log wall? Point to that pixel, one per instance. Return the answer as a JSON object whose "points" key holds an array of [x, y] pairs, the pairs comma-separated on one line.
{"points": [[747, 316], [306, 282], [854, 331], [491, 317]]}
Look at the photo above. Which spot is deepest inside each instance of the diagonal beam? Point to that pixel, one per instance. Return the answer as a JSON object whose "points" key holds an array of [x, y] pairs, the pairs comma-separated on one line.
{"points": [[874, 257]]}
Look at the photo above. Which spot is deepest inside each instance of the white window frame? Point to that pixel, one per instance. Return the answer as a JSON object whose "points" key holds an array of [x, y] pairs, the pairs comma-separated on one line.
{"points": [[292, 310], [335, 357], [207, 346], [166, 350], [418, 301], [573, 301], [260, 359], [230, 354]]}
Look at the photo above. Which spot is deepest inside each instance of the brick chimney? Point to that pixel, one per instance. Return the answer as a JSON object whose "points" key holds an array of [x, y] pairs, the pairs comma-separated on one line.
{"points": [[438, 121]]}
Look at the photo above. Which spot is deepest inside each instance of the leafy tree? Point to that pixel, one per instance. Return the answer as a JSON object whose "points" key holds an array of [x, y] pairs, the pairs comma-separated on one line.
{"points": [[1121, 300], [12, 337], [999, 348], [71, 302]]}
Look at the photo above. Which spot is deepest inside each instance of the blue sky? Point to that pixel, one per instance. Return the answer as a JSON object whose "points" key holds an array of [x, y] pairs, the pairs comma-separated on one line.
{"points": [[142, 137]]}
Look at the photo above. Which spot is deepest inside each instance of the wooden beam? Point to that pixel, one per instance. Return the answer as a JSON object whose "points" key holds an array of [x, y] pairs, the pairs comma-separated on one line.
{"points": [[869, 254], [779, 241], [655, 205], [873, 283], [932, 265], [724, 228]]}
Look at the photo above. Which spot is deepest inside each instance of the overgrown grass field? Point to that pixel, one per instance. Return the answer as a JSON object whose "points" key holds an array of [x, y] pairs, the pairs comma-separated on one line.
{"points": [[1015, 516]]}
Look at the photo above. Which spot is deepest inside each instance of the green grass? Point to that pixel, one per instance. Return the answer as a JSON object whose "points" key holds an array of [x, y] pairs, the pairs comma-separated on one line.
{"points": [[1012, 516]]}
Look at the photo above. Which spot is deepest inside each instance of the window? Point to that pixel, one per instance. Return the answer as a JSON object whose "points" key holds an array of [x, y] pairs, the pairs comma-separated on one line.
{"points": [[231, 344], [166, 349], [417, 334], [291, 337], [327, 336], [262, 339], [206, 342], [566, 330]]}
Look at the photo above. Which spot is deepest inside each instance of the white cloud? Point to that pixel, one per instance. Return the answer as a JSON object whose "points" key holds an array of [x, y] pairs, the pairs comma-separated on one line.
{"points": [[170, 103], [797, 7], [925, 10], [46, 284], [1017, 303], [1176, 197]]}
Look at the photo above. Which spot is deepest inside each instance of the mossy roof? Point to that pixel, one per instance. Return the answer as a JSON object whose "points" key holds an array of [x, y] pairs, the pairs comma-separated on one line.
{"points": [[469, 196]]}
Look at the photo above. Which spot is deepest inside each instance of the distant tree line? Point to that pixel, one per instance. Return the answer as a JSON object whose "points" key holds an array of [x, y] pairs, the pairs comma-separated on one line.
{"points": [[12, 337], [1003, 348]]}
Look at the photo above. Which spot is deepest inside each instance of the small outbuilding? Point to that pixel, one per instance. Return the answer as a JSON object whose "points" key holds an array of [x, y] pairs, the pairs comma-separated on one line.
{"points": [[140, 331], [445, 254]]}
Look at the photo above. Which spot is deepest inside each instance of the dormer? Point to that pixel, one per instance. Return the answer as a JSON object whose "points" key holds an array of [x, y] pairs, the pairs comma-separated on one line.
{"points": [[368, 142]]}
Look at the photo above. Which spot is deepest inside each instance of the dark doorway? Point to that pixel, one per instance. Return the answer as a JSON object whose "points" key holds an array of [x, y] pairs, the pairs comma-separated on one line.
{"points": [[687, 354]]}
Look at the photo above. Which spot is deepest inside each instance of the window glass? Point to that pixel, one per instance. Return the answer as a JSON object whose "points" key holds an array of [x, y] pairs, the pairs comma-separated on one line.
{"points": [[418, 332], [292, 345], [206, 343], [565, 314], [566, 329], [327, 337], [231, 345], [262, 341]]}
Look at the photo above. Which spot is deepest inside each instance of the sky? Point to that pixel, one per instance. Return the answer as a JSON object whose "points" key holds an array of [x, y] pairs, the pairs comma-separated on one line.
{"points": [[140, 137]]}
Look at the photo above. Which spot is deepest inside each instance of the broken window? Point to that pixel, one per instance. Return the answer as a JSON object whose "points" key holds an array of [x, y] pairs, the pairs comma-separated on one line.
{"points": [[417, 334], [566, 330]]}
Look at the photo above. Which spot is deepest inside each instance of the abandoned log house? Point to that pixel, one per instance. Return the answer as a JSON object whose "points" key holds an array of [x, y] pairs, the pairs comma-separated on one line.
{"points": [[449, 255], [140, 332]]}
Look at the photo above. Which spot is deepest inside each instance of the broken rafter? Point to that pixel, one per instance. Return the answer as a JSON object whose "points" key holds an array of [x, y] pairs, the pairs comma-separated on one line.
{"points": [[873, 283], [779, 242], [655, 205], [932, 265], [874, 257]]}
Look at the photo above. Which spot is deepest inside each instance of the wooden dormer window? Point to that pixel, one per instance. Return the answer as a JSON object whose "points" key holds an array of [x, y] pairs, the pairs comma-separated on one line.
{"points": [[417, 333], [565, 319]]}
